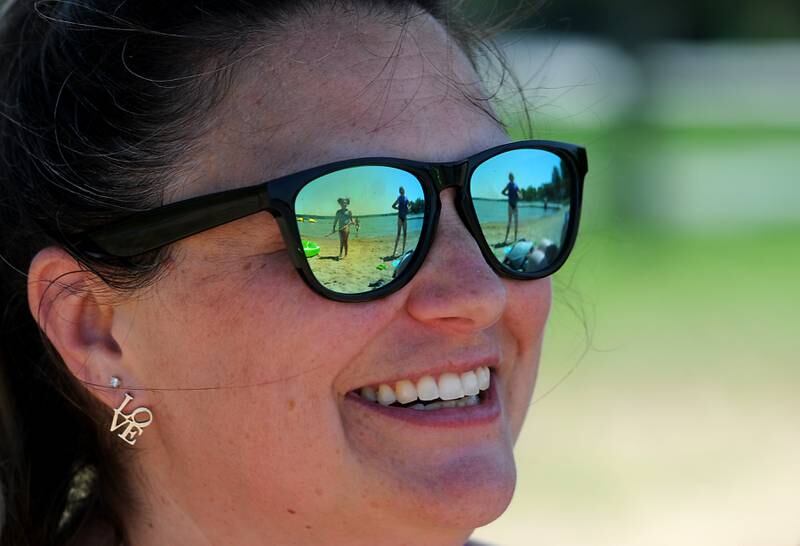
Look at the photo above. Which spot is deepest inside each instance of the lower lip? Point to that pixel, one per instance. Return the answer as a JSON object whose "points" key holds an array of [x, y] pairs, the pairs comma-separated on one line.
{"points": [[488, 411]]}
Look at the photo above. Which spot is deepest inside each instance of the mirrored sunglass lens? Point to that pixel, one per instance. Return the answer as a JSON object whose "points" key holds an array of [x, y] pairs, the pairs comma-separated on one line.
{"points": [[522, 199], [360, 226]]}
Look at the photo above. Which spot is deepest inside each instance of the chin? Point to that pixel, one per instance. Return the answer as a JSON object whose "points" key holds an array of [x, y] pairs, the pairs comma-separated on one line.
{"points": [[467, 493]]}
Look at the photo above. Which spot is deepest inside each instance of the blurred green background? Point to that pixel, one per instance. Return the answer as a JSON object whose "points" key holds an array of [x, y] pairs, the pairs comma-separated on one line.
{"points": [[667, 405]]}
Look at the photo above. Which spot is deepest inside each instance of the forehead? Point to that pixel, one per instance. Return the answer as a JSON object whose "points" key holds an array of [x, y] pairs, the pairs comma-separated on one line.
{"points": [[343, 85]]}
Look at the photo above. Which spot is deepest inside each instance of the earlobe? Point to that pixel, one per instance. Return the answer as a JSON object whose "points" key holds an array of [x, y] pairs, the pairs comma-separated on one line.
{"points": [[70, 307]]}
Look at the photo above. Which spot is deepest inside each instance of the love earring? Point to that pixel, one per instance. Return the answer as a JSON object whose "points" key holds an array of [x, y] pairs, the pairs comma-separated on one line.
{"points": [[134, 422]]}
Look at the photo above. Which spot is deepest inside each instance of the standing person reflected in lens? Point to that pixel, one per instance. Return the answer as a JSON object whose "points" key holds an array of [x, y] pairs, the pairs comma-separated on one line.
{"points": [[512, 191], [343, 219], [401, 206]]}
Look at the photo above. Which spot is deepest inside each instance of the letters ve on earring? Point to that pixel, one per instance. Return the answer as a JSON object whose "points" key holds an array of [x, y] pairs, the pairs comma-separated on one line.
{"points": [[133, 426]]}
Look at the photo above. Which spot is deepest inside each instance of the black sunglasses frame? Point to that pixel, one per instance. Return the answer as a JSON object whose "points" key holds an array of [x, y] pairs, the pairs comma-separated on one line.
{"points": [[153, 229]]}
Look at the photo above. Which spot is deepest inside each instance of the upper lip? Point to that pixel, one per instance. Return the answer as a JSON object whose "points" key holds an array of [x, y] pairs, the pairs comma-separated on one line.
{"points": [[415, 371]]}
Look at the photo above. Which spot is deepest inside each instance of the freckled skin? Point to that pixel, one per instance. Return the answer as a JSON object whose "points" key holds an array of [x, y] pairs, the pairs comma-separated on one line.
{"points": [[283, 458]]}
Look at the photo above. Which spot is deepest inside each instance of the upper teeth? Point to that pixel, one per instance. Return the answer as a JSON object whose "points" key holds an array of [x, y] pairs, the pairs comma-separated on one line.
{"points": [[448, 386]]}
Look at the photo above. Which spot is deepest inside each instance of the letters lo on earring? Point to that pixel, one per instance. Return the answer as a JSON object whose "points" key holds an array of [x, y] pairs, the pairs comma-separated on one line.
{"points": [[134, 422]]}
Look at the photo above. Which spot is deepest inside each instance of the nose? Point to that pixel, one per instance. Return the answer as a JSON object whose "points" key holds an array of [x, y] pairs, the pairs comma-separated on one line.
{"points": [[455, 289]]}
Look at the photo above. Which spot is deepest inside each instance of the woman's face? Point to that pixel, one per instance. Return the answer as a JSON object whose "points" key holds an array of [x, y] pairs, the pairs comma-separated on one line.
{"points": [[281, 449]]}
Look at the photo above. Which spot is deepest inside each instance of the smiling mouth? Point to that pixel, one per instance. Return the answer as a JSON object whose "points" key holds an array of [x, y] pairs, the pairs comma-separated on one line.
{"points": [[428, 393]]}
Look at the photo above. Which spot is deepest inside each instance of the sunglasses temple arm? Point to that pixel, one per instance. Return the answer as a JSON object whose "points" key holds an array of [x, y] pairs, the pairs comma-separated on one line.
{"points": [[150, 230]]}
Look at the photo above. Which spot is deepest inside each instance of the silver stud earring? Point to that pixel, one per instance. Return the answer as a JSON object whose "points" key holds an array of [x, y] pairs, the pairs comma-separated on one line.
{"points": [[115, 382]]}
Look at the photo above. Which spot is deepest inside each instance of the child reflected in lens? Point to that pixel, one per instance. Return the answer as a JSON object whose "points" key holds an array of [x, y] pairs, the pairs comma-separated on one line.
{"points": [[343, 219]]}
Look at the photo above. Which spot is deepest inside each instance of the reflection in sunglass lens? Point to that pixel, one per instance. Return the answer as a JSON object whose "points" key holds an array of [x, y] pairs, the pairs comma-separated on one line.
{"points": [[360, 226], [522, 201]]}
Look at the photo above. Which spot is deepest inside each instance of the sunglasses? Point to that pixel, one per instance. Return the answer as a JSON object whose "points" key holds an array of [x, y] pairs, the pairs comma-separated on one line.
{"points": [[359, 229]]}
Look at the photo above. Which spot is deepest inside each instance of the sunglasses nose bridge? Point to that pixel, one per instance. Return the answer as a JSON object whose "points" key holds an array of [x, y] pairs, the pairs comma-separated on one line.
{"points": [[449, 175], [454, 175]]}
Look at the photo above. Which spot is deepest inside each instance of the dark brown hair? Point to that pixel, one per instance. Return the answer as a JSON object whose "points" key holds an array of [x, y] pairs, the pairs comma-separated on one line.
{"points": [[99, 101]]}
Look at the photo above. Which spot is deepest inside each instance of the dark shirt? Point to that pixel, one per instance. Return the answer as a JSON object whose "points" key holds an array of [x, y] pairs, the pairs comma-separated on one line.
{"points": [[512, 190], [402, 207]]}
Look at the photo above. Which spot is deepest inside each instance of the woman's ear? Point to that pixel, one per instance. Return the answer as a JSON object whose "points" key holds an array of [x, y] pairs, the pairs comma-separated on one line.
{"points": [[72, 307]]}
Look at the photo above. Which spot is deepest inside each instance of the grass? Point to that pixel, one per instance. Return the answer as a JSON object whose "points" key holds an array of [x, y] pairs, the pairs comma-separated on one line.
{"points": [[689, 296], [678, 424]]}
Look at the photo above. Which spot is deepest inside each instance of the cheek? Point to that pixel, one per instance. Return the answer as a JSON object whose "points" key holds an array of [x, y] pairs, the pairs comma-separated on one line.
{"points": [[526, 318], [234, 344], [271, 350], [528, 311], [223, 321], [249, 323]]}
